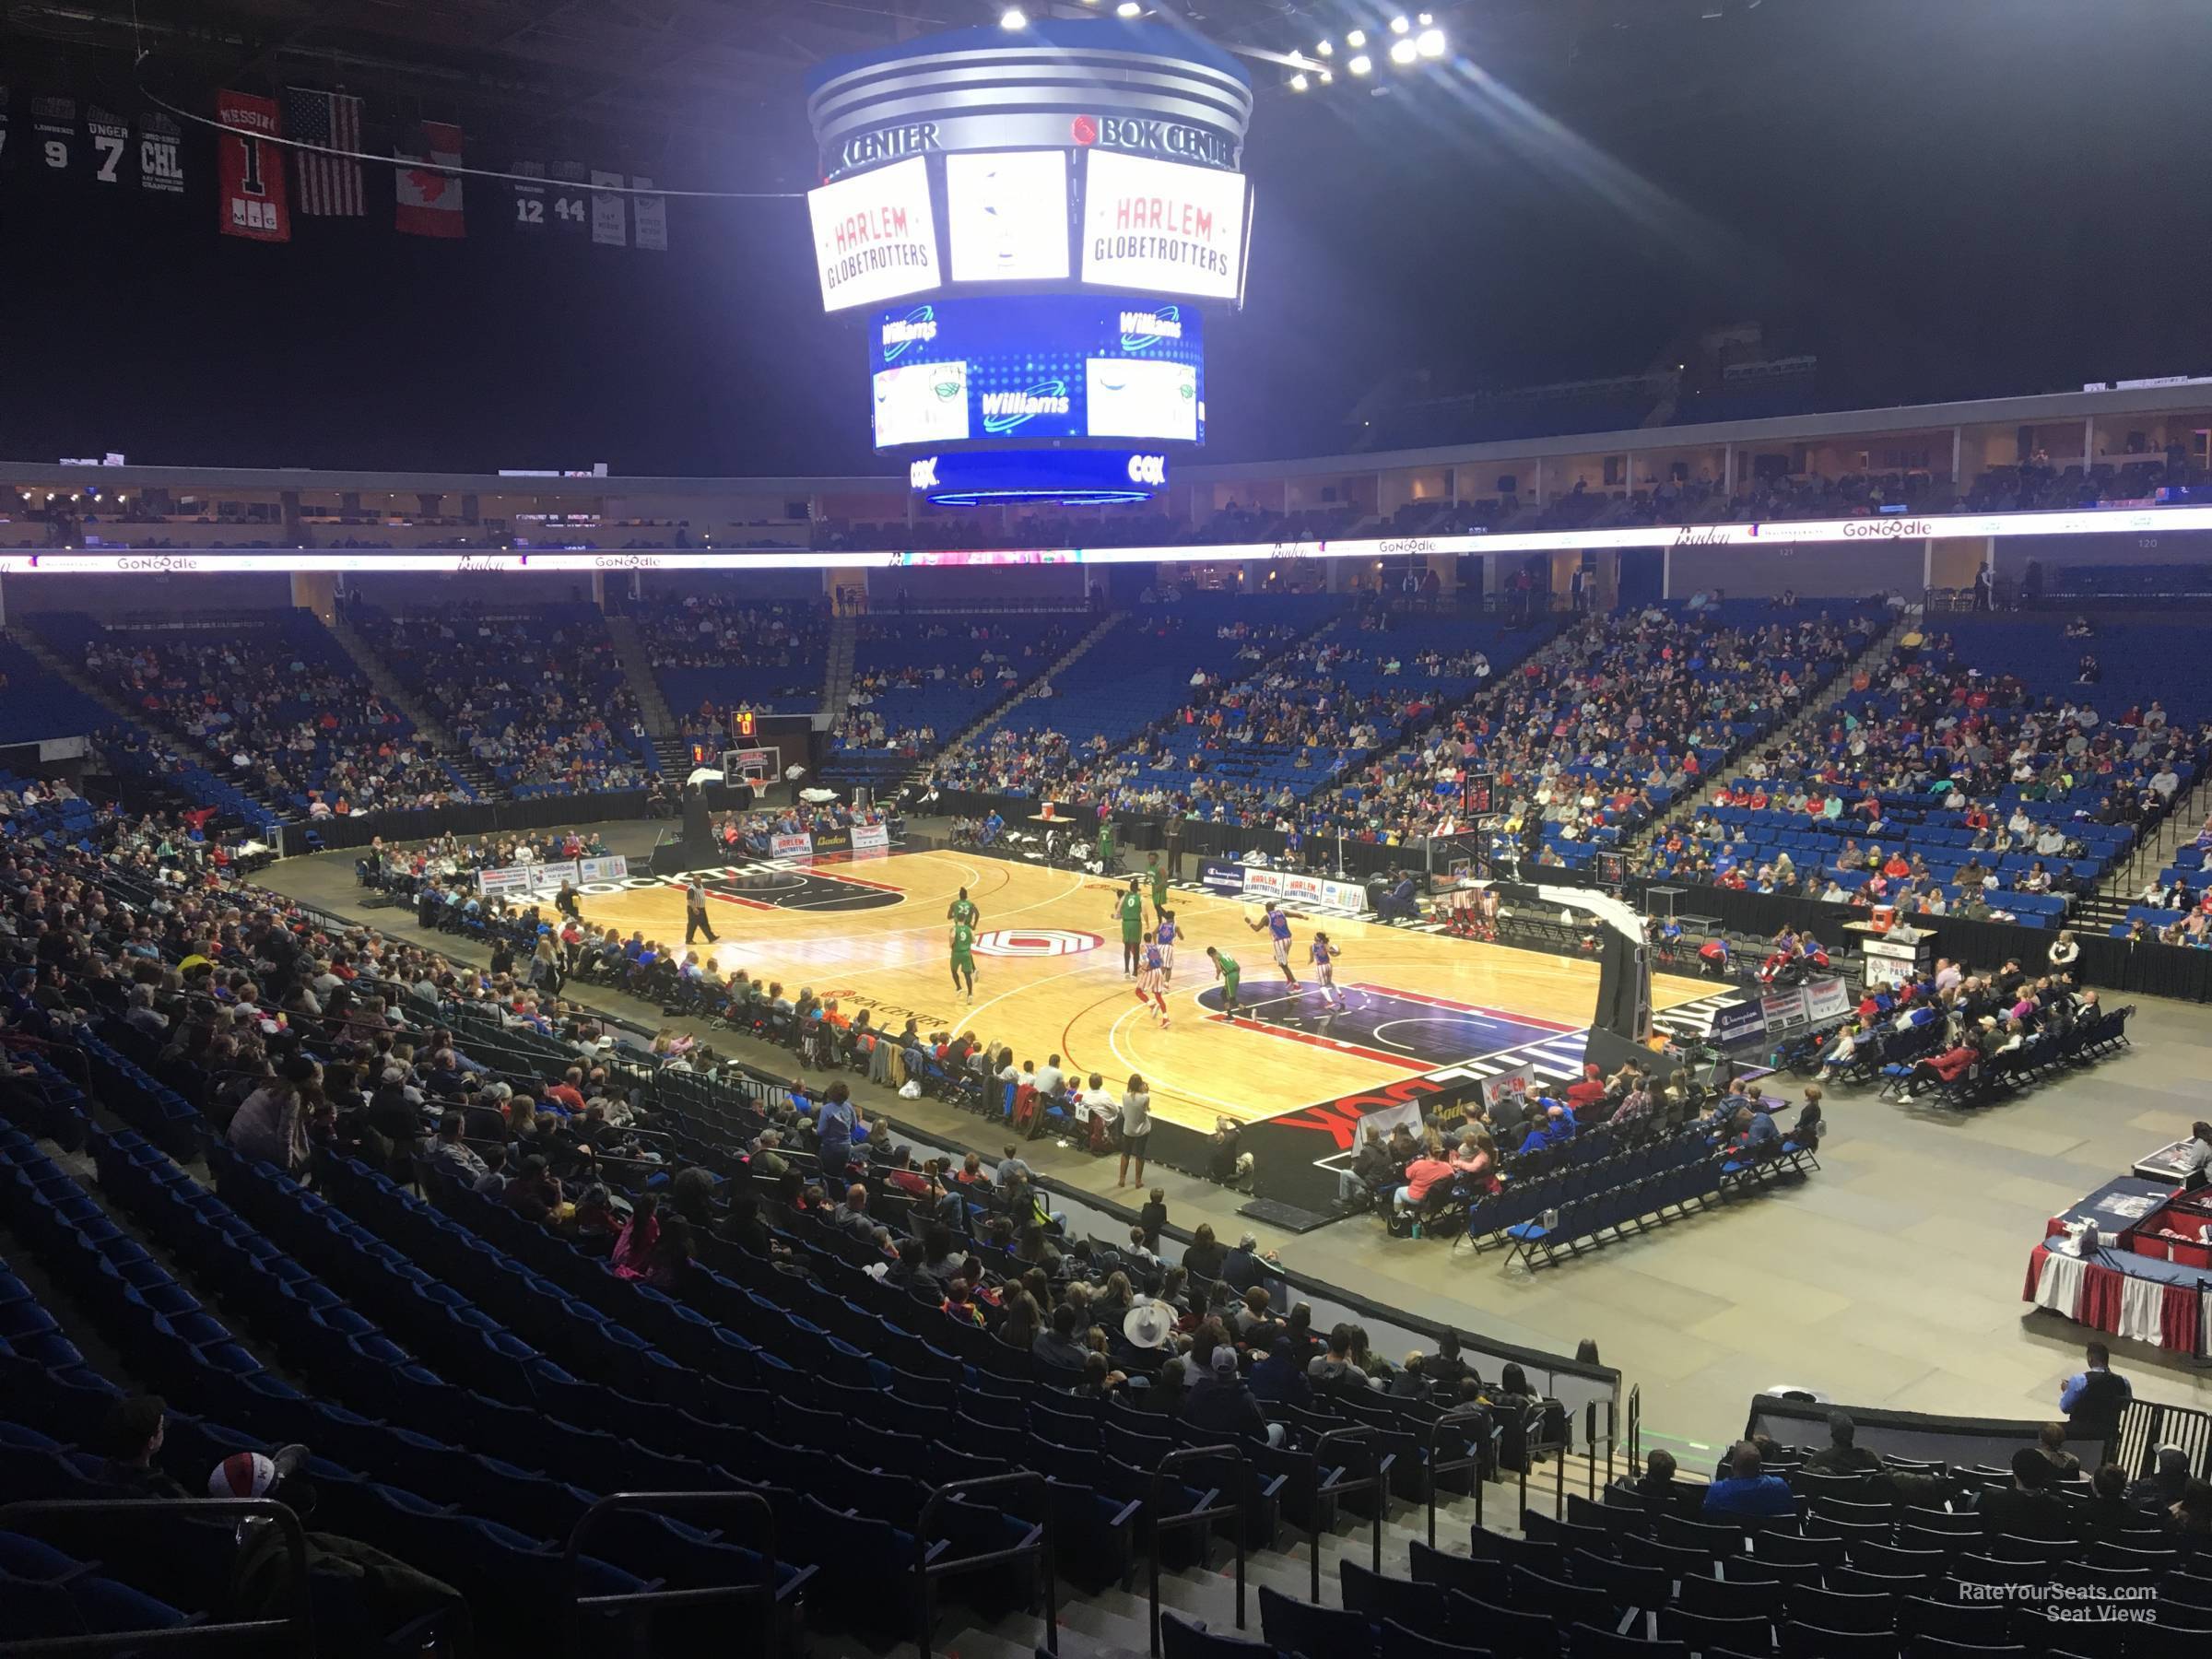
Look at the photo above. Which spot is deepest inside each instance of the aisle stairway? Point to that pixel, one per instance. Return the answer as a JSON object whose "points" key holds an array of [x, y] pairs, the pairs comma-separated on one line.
{"points": [[644, 684], [2122, 887], [455, 755], [837, 680], [1874, 660]]}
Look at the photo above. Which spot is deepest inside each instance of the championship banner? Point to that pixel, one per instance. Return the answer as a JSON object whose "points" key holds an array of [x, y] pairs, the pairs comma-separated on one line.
{"points": [[651, 214], [430, 200], [160, 154], [610, 221], [525, 878], [616, 868], [529, 199], [111, 136], [790, 846], [871, 838], [1825, 999], [250, 175], [1515, 1085]]}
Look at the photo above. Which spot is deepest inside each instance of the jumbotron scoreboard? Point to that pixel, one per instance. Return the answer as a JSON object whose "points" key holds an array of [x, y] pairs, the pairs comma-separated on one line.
{"points": [[1030, 226]]}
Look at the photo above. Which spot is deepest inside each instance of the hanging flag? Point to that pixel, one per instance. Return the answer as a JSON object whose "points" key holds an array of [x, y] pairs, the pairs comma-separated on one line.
{"points": [[651, 214], [571, 201], [111, 136], [330, 186], [251, 201], [160, 154], [430, 200], [529, 199], [610, 218], [54, 120]]}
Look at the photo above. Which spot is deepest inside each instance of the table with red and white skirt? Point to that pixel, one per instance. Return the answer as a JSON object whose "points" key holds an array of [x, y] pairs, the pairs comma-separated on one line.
{"points": [[2138, 1292]]}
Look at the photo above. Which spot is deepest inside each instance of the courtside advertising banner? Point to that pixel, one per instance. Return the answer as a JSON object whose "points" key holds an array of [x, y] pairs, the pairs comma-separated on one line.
{"points": [[790, 846], [1782, 1009], [1515, 1085], [602, 869], [874, 235], [871, 838], [1738, 1022], [526, 878], [1825, 999], [1221, 875], [1317, 891]]}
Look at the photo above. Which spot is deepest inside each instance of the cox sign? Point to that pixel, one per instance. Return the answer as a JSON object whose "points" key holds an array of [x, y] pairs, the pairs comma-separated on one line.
{"points": [[1149, 469]]}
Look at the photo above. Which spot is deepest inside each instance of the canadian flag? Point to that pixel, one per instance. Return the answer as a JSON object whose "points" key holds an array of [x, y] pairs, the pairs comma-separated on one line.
{"points": [[430, 200]]}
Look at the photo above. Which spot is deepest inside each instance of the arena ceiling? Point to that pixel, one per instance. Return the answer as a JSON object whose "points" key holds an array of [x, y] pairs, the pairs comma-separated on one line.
{"points": [[712, 62]]}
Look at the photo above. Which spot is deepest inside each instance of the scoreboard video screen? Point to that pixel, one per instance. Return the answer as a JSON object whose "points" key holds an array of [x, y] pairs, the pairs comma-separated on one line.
{"points": [[1037, 366], [1014, 217], [876, 236]]}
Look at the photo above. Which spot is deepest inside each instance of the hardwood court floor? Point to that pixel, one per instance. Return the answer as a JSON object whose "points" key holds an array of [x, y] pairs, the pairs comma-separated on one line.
{"points": [[871, 933]]}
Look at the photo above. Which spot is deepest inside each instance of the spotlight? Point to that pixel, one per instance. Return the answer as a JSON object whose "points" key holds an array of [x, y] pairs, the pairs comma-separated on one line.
{"points": [[1357, 39], [1402, 52], [1326, 78], [1431, 42], [1324, 48], [1400, 24], [1361, 64], [1299, 83], [1424, 20], [1127, 8], [1013, 18]]}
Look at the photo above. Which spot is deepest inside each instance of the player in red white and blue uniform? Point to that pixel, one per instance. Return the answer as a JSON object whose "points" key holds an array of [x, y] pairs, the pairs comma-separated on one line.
{"points": [[1277, 925], [1164, 936], [1152, 983], [1324, 957]]}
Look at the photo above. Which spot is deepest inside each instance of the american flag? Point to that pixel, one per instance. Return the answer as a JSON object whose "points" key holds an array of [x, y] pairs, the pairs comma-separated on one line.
{"points": [[330, 186]]}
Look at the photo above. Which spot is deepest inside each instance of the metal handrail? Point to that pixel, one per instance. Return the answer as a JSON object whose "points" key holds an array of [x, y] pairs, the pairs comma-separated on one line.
{"points": [[574, 1605], [927, 1568], [296, 1630], [1370, 1481], [1457, 1414], [1205, 1513]]}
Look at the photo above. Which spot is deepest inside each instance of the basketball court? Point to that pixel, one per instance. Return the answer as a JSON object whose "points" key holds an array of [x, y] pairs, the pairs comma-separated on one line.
{"points": [[871, 932]]}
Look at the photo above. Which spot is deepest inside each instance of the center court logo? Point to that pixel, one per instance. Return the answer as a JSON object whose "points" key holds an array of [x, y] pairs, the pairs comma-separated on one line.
{"points": [[1036, 941]]}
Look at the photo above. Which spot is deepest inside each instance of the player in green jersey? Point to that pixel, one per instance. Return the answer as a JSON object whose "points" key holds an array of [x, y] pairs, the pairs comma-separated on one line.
{"points": [[1129, 910], [1229, 974], [963, 959]]}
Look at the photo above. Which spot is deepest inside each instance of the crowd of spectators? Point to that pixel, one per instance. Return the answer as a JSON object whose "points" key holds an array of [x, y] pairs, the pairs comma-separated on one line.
{"points": [[919, 680], [278, 708], [539, 697], [1941, 789]]}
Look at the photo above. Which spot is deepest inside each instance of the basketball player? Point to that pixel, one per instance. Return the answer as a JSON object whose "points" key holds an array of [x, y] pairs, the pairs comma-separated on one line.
{"points": [[1164, 936], [1229, 974], [1152, 985], [1324, 969], [963, 959], [1158, 879], [1130, 910], [1277, 923], [962, 910]]}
